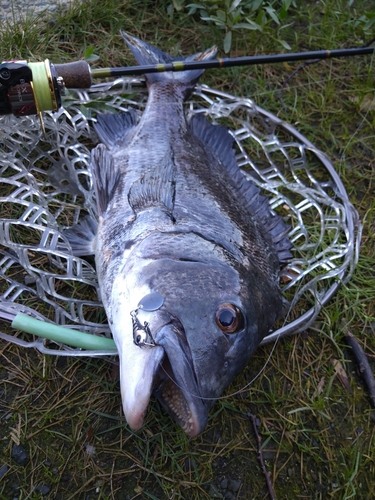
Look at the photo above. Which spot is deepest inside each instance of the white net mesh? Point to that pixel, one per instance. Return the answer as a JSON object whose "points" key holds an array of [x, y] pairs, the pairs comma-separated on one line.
{"points": [[46, 186]]}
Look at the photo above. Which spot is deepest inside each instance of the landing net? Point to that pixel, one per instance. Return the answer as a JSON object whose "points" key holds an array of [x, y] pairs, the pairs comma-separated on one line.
{"points": [[46, 186]]}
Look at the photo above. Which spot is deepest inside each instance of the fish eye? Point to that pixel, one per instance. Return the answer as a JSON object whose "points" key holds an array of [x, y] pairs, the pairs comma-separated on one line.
{"points": [[229, 318]]}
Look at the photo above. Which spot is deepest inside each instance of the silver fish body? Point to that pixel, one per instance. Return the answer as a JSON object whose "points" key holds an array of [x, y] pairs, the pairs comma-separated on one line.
{"points": [[177, 219]]}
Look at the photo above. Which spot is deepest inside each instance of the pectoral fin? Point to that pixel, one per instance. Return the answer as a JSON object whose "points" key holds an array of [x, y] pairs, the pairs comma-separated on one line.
{"points": [[156, 187]]}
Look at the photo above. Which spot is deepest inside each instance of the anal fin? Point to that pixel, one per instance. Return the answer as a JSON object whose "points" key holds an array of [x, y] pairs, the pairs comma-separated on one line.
{"points": [[113, 129], [106, 176]]}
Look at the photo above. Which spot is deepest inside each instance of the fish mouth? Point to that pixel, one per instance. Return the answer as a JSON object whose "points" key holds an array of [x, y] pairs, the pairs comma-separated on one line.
{"points": [[176, 387], [173, 400], [167, 372]]}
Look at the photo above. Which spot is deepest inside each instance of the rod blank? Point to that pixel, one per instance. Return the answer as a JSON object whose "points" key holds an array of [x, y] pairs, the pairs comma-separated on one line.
{"points": [[229, 62]]}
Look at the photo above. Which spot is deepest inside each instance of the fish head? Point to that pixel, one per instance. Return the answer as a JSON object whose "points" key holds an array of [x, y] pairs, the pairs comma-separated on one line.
{"points": [[212, 318]]}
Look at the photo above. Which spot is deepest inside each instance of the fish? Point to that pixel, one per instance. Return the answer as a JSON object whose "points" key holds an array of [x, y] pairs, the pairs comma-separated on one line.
{"points": [[187, 251]]}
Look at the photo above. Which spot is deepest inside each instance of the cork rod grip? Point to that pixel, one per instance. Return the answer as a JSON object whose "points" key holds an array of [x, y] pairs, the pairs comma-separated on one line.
{"points": [[76, 75]]}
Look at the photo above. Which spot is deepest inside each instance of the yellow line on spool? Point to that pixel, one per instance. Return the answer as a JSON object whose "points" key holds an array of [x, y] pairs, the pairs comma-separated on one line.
{"points": [[41, 87]]}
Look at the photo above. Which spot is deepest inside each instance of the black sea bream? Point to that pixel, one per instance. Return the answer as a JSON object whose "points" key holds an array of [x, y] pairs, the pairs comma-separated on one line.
{"points": [[187, 251]]}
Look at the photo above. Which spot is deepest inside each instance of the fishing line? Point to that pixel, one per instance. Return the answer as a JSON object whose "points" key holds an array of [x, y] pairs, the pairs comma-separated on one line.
{"points": [[233, 393], [239, 391]]}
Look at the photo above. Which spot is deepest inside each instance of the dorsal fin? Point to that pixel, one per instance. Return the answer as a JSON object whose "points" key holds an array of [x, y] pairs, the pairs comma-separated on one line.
{"points": [[156, 187], [113, 129], [220, 142], [105, 175]]}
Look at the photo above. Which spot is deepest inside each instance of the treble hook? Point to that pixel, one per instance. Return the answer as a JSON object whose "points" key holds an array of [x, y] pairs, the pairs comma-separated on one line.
{"points": [[141, 334]]}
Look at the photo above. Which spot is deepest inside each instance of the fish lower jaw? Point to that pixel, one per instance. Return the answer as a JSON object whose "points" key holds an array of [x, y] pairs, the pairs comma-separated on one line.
{"points": [[173, 400]]}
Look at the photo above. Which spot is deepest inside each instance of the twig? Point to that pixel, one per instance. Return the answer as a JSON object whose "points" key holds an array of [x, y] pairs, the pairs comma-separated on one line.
{"points": [[267, 475], [363, 364], [289, 77]]}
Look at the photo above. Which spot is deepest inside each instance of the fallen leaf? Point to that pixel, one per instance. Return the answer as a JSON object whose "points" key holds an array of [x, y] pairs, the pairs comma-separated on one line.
{"points": [[15, 433], [341, 373], [319, 389], [365, 104]]}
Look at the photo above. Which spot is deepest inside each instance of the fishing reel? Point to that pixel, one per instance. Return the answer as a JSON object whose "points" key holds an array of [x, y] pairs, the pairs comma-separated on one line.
{"points": [[30, 88]]}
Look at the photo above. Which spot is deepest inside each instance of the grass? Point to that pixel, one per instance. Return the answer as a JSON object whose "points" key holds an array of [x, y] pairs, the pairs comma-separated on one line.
{"points": [[318, 435]]}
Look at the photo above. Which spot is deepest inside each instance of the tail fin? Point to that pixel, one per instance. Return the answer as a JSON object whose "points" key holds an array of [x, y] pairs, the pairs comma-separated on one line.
{"points": [[146, 54]]}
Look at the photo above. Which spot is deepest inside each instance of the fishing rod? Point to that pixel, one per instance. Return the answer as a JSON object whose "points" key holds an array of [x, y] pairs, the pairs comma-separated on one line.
{"points": [[29, 88]]}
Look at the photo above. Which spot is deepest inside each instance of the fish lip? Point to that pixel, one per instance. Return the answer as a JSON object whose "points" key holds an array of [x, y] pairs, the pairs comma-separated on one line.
{"points": [[177, 383], [136, 390]]}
